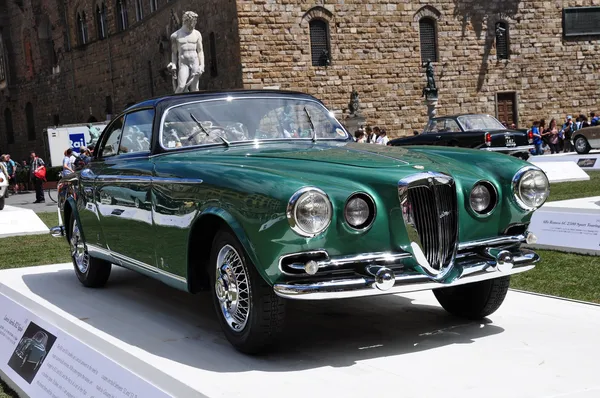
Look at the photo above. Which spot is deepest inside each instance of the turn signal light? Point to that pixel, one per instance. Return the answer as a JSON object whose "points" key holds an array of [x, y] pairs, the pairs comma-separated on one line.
{"points": [[530, 136], [488, 139]]}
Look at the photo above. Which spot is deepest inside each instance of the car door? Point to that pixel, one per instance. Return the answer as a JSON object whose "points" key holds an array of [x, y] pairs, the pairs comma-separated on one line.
{"points": [[123, 189], [90, 201]]}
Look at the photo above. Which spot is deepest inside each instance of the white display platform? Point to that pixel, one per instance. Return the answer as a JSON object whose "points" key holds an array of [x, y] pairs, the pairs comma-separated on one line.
{"points": [[591, 161], [568, 225], [15, 221], [562, 171], [382, 346]]}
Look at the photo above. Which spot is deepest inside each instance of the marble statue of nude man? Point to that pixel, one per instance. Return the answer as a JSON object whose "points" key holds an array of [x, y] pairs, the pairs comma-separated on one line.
{"points": [[187, 55]]}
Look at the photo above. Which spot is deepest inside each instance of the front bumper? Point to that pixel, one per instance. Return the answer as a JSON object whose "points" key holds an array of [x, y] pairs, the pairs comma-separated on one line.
{"points": [[475, 261]]}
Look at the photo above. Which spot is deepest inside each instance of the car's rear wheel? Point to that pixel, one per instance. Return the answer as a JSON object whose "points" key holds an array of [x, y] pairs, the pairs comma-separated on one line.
{"points": [[474, 300], [91, 271], [250, 313], [582, 145]]}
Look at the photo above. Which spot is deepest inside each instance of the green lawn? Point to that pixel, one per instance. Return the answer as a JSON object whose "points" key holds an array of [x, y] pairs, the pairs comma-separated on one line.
{"points": [[577, 189]]}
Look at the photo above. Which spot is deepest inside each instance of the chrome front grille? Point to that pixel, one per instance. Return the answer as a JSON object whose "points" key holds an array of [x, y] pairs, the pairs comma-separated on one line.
{"points": [[429, 209]]}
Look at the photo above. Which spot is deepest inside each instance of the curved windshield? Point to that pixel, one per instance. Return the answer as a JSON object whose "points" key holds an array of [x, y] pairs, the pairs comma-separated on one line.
{"points": [[246, 119], [41, 337], [480, 122]]}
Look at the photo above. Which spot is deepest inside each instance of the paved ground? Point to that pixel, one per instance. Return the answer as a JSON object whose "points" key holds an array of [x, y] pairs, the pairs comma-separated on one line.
{"points": [[26, 200], [398, 345]]}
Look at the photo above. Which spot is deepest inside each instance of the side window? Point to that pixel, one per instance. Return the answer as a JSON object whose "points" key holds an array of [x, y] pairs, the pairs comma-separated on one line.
{"points": [[113, 136], [451, 126], [137, 132]]}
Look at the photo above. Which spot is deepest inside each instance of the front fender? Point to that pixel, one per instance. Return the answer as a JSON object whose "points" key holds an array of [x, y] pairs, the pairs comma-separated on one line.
{"points": [[237, 229]]}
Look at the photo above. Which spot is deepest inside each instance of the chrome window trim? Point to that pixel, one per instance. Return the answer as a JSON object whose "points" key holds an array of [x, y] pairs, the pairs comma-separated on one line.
{"points": [[374, 216], [515, 187], [232, 98], [291, 211], [489, 213]]}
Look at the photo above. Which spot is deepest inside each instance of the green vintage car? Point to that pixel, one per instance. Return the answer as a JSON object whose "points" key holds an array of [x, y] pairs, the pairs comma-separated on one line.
{"points": [[263, 197]]}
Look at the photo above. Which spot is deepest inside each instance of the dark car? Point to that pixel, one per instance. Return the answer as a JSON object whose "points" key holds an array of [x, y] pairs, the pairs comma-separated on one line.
{"points": [[472, 131]]}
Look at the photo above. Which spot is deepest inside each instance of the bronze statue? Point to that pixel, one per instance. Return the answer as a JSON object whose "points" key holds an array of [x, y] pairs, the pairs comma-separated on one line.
{"points": [[430, 76], [354, 105]]}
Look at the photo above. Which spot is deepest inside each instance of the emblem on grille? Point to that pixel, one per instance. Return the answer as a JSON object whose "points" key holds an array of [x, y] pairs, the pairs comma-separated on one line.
{"points": [[444, 214]]}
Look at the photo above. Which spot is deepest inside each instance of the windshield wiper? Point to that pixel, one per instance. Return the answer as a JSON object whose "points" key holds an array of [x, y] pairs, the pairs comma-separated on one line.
{"points": [[205, 131], [312, 126]]}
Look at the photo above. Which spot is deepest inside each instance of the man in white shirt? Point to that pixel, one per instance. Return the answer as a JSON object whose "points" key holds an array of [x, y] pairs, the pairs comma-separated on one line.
{"points": [[382, 139]]}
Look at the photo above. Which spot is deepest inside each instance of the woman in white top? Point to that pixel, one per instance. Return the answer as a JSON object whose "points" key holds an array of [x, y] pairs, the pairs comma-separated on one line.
{"points": [[382, 139]]}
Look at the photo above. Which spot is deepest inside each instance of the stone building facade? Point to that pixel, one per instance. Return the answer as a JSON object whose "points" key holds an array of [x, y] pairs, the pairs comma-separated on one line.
{"points": [[511, 58]]}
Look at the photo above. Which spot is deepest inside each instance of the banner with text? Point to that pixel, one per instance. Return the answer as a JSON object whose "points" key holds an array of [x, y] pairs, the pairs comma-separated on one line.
{"points": [[46, 362]]}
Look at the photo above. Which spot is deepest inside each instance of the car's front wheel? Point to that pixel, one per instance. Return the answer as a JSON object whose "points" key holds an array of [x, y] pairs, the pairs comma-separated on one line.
{"points": [[582, 146], [250, 313], [474, 300], [91, 271]]}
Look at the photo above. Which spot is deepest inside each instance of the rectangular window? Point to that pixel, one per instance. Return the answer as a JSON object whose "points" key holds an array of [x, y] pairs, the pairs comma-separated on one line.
{"points": [[581, 21]]}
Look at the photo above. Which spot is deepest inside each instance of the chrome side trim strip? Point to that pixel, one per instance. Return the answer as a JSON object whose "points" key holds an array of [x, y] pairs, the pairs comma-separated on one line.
{"points": [[93, 249], [497, 241], [148, 268], [173, 180], [147, 179], [364, 286]]}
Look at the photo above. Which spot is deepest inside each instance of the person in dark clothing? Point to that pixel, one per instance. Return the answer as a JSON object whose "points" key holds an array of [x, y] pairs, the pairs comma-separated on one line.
{"points": [[37, 182]]}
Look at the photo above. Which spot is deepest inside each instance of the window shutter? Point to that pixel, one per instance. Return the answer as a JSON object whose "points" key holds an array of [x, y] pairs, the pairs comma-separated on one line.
{"points": [[428, 40], [319, 43], [502, 50]]}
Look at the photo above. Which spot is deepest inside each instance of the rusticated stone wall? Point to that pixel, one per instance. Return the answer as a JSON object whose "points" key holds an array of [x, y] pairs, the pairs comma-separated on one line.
{"points": [[60, 77], [376, 50]]}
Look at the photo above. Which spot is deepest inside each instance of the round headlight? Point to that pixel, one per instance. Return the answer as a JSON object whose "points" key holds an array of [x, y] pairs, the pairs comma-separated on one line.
{"points": [[483, 198], [309, 212], [531, 188], [359, 212]]}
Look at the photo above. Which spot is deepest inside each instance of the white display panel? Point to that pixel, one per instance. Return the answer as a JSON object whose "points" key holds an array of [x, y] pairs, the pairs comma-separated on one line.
{"points": [[43, 361]]}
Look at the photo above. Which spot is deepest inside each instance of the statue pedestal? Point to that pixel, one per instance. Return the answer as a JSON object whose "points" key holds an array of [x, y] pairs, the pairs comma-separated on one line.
{"points": [[431, 108], [353, 123]]}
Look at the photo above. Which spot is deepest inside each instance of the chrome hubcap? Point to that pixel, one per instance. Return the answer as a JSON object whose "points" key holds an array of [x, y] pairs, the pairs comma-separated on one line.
{"points": [[232, 288], [78, 251], [580, 144]]}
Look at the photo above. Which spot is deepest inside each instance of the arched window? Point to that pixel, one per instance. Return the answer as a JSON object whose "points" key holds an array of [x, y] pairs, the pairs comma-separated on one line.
{"points": [[139, 10], [428, 34], [8, 122], [82, 29], [502, 42], [153, 5], [122, 21], [319, 42], [30, 121], [101, 21]]}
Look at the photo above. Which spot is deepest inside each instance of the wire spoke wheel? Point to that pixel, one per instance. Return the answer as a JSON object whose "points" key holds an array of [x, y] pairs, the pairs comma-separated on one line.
{"points": [[232, 288], [78, 250]]}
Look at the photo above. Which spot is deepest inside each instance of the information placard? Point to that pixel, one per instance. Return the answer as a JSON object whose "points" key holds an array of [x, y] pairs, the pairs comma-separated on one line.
{"points": [[44, 361], [555, 227]]}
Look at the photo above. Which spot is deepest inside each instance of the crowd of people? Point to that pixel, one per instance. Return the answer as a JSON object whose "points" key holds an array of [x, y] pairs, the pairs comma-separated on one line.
{"points": [[371, 135], [556, 139]]}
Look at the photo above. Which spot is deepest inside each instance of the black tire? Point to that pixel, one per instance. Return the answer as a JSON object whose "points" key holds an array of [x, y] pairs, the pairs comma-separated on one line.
{"points": [[1, 203], [474, 300], [97, 271], [584, 146], [266, 314]]}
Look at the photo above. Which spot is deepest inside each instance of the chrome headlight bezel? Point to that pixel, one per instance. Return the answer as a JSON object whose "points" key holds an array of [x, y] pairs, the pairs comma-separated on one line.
{"points": [[372, 211], [292, 210], [516, 187], [494, 198]]}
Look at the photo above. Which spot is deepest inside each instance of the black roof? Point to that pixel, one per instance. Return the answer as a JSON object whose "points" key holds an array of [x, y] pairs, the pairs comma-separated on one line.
{"points": [[461, 114], [173, 99]]}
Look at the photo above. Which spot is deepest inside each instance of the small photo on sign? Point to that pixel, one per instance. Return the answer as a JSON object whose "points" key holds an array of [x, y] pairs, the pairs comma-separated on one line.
{"points": [[31, 352], [589, 162]]}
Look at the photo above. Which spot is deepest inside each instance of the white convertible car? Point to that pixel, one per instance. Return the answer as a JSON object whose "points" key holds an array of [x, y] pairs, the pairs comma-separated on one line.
{"points": [[3, 188]]}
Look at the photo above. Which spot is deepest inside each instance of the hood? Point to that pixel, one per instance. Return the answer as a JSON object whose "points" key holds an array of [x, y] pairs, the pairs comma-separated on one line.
{"points": [[342, 153]]}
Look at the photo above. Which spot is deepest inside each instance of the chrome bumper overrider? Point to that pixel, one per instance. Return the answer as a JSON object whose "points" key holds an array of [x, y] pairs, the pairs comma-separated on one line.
{"points": [[476, 261]]}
